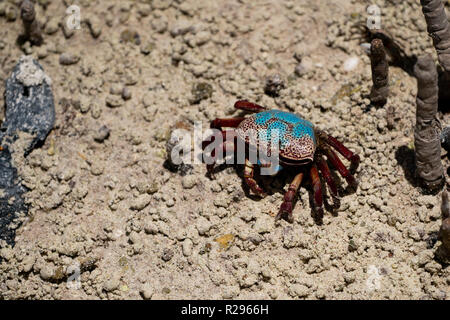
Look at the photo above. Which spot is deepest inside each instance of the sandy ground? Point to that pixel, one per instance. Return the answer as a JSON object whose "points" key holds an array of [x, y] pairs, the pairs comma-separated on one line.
{"points": [[107, 207]]}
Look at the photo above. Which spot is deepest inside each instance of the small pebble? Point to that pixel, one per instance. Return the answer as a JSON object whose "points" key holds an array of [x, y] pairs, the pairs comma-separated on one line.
{"points": [[42, 52], [116, 89], [180, 28], [130, 36], [126, 93], [94, 26], [189, 182], [151, 228], [97, 169], [201, 91], [67, 59], [299, 290], [160, 24], [147, 47], [366, 47], [102, 134], [167, 255], [273, 85], [445, 138], [113, 101], [11, 13], [146, 291], [144, 9], [46, 273], [112, 284], [350, 64], [85, 105], [28, 263], [203, 225], [52, 26], [140, 202], [170, 203], [187, 247], [96, 111], [300, 70], [67, 31]]}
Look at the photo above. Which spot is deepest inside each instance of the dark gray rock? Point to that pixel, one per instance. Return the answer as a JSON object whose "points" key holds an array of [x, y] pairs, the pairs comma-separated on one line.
{"points": [[274, 84], [29, 103], [29, 108], [11, 201], [201, 91], [176, 166]]}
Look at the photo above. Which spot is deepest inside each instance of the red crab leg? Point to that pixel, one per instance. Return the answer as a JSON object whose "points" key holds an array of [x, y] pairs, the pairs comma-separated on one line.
{"points": [[337, 163], [218, 123], [323, 167], [287, 205], [226, 134], [250, 181], [248, 106], [346, 153], [317, 190], [226, 145]]}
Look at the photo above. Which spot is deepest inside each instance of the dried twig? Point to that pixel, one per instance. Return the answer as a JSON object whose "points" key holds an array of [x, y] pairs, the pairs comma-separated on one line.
{"points": [[380, 73], [30, 23], [427, 131]]}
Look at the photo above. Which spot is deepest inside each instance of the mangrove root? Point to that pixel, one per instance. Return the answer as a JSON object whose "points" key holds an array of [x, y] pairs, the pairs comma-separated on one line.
{"points": [[380, 73], [427, 131], [438, 28], [31, 24]]}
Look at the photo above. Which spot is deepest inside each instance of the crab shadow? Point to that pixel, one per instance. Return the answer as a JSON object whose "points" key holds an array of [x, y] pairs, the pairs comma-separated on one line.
{"points": [[444, 95], [405, 158], [277, 183]]}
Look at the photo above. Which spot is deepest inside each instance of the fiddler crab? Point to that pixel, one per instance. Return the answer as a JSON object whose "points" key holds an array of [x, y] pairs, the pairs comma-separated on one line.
{"points": [[301, 147]]}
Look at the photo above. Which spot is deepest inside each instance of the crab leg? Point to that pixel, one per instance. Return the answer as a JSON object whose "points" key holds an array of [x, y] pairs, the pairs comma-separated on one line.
{"points": [[250, 181], [218, 123], [346, 153], [323, 167], [287, 205], [227, 145], [226, 134], [248, 106], [317, 189], [337, 163]]}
